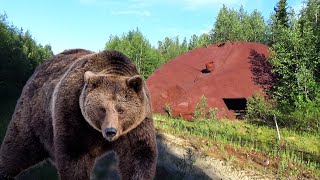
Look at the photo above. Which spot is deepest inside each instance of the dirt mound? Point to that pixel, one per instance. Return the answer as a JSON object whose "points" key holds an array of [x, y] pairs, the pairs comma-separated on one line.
{"points": [[226, 74]]}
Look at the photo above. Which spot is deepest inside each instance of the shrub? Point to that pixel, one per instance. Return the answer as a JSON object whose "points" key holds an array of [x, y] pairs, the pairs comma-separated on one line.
{"points": [[306, 116], [212, 114], [200, 110], [258, 107], [168, 109]]}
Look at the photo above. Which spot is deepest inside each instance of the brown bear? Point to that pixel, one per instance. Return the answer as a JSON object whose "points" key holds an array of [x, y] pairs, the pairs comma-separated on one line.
{"points": [[76, 107]]}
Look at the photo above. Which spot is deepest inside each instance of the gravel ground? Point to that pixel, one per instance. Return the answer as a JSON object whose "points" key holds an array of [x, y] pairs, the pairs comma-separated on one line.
{"points": [[178, 157]]}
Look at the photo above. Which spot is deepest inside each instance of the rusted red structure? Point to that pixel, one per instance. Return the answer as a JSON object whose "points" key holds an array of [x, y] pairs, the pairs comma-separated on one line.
{"points": [[226, 74]]}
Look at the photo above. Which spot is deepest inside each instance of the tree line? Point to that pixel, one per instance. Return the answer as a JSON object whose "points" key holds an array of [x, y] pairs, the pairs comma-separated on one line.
{"points": [[230, 25], [20, 54]]}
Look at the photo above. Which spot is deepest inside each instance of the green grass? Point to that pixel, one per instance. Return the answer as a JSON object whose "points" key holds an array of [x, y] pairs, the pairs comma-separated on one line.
{"points": [[300, 149]]}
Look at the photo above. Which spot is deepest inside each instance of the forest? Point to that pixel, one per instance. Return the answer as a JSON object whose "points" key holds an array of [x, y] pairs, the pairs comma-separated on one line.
{"points": [[293, 38]]}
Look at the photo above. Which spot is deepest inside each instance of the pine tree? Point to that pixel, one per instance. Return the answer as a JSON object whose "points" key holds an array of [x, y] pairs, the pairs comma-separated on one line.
{"points": [[257, 28], [281, 13]]}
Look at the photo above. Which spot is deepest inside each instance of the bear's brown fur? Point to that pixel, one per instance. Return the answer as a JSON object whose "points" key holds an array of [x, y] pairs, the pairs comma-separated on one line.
{"points": [[66, 109]]}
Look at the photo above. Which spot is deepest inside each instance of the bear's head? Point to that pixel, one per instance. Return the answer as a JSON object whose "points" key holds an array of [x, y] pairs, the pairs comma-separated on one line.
{"points": [[112, 104]]}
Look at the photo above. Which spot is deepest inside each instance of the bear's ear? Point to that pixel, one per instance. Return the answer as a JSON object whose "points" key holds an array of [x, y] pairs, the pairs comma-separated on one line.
{"points": [[88, 75], [135, 82]]}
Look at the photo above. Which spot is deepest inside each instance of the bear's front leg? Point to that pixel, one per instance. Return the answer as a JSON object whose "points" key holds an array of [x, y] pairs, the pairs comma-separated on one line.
{"points": [[137, 152], [74, 168], [73, 155], [138, 162]]}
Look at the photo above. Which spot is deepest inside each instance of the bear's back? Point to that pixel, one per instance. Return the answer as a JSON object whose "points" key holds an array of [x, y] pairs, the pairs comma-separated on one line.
{"points": [[47, 75], [35, 100], [41, 84]]}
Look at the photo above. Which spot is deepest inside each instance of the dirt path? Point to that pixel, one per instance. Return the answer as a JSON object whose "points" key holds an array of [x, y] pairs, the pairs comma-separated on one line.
{"points": [[178, 159]]}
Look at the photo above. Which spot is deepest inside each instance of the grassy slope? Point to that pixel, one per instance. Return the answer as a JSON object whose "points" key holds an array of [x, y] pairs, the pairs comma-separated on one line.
{"points": [[296, 155]]}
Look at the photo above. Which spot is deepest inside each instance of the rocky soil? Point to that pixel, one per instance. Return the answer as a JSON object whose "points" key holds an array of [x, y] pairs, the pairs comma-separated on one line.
{"points": [[179, 159]]}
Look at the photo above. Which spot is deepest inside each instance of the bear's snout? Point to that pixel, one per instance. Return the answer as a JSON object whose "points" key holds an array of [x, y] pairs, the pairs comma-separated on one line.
{"points": [[110, 132]]}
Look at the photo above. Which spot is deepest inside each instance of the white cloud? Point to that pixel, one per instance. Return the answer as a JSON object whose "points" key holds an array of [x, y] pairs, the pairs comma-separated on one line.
{"points": [[184, 4], [132, 12], [88, 1], [133, 5], [129, 7], [141, 3], [188, 2], [125, 3], [196, 4], [103, 3], [209, 2]]}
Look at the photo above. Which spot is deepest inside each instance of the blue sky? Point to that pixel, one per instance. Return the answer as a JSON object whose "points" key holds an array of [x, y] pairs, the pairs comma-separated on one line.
{"points": [[66, 24]]}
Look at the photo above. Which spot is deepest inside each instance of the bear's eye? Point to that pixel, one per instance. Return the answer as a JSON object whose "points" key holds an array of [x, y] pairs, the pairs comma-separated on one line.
{"points": [[102, 110], [120, 110]]}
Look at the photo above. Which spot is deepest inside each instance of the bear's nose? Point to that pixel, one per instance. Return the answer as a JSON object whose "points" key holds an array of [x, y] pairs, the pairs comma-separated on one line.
{"points": [[110, 132]]}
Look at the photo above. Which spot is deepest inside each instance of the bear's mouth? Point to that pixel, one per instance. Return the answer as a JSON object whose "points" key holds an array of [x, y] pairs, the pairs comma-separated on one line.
{"points": [[109, 139]]}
